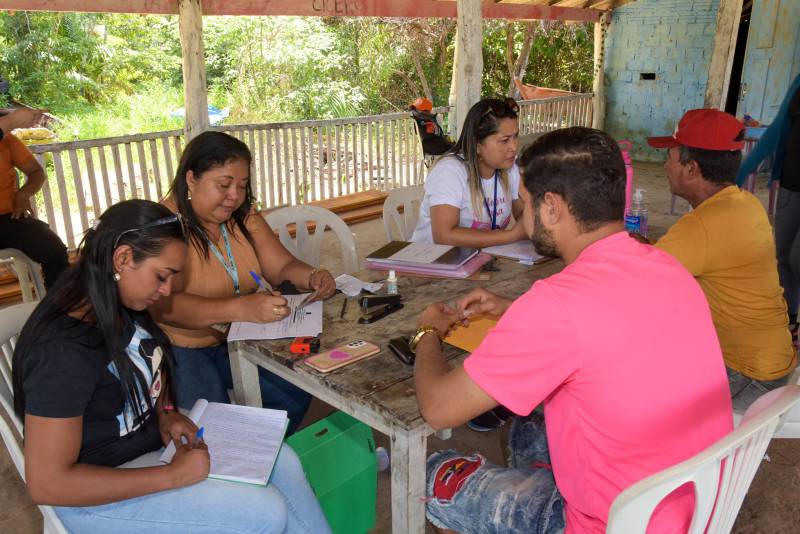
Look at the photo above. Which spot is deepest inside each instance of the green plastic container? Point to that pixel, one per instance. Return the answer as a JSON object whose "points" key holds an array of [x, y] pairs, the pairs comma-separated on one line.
{"points": [[338, 457]]}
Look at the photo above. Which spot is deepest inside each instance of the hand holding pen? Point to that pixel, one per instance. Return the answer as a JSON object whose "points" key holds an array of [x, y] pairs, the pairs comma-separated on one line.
{"points": [[264, 306]]}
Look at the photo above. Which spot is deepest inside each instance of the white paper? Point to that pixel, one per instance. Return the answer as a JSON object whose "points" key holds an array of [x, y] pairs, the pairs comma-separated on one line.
{"points": [[523, 251], [352, 286], [306, 321], [420, 253], [243, 442]]}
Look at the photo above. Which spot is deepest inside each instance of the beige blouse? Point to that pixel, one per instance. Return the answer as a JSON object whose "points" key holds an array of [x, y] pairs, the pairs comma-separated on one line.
{"points": [[207, 277]]}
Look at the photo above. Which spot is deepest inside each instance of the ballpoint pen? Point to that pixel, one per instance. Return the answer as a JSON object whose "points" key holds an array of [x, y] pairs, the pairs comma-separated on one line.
{"points": [[262, 284]]}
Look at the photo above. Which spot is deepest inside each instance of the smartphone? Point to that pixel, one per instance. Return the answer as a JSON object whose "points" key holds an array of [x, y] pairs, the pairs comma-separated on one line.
{"points": [[341, 356], [399, 347]]}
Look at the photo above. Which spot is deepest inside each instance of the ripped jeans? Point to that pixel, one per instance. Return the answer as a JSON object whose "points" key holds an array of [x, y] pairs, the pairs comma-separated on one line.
{"points": [[471, 496]]}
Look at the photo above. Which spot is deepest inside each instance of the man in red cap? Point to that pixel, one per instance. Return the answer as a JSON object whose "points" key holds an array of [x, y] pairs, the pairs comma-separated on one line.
{"points": [[726, 242]]}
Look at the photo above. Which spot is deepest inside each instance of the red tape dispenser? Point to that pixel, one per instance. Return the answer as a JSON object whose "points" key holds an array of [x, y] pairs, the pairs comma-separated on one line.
{"points": [[305, 345]]}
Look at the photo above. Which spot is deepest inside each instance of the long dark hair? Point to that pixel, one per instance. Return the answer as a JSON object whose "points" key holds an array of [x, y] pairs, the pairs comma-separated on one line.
{"points": [[204, 152], [482, 120], [89, 287]]}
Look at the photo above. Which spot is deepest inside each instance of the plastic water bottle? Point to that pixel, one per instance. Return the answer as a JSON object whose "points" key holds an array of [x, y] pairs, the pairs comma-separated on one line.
{"points": [[382, 456], [636, 215], [391, 283]]}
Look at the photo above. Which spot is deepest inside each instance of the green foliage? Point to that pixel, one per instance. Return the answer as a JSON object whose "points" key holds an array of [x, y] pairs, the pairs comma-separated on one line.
{"points": [[111, 74]]}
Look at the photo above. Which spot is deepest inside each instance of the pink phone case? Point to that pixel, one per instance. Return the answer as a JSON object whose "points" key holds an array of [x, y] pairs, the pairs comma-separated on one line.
{"points": [[341, 356]]}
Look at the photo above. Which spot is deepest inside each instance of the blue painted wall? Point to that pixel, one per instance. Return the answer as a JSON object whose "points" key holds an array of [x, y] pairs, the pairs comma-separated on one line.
{"points": [[672, 39]]}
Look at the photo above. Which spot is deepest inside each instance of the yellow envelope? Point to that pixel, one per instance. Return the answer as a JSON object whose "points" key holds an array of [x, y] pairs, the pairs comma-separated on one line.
{"points": [[469, 337]]}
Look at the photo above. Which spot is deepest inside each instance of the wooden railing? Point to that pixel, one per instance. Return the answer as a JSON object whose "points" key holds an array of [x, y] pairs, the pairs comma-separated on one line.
{"points": [[293, 162], [86, 177], [546, 115]]}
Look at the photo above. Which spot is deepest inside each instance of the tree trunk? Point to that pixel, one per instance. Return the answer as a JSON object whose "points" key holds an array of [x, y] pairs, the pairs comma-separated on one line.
{"points": [[421, 74], [517, 68]]}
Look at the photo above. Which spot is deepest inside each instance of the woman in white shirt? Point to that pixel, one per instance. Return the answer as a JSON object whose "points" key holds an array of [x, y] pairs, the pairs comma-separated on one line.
{"points": [[473, 190]]}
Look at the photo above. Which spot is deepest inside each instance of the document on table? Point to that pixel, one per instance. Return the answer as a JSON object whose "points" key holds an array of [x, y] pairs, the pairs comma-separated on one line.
{"points": [[420, 253], [352, 286], [524, 251], [306, 321], [243, 441]]}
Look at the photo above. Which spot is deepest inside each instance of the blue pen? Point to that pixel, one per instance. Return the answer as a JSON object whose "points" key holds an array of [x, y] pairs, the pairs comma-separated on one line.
{"points": [[260, 282], [199, 436]]}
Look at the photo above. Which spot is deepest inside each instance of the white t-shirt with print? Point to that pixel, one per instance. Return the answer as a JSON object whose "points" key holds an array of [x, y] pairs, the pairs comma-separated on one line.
{"points": [[448, 184]]}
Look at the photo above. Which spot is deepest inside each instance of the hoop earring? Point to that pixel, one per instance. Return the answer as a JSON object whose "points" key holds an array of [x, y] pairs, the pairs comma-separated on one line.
{"points": [[117, 277]]}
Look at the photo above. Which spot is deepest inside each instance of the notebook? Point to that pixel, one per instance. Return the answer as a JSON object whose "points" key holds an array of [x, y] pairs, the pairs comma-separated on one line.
{"points": [[463, 271], [524, 251], [429, 255], [243, 441]]}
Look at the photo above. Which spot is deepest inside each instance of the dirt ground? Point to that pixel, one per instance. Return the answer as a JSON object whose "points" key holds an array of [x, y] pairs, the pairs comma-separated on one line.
{"points": [[772, 504]]}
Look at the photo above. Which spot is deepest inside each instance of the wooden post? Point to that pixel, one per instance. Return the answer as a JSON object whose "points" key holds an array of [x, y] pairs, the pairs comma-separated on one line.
{"points": [[195, 98], [468, 60], [719, 68], [598, 86]]}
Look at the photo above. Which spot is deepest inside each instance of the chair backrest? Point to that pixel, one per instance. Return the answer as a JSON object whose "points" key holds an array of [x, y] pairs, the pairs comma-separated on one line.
{"points": [[12, 319], [26, 271], [308, 247], [410, 198], [721, 474]]}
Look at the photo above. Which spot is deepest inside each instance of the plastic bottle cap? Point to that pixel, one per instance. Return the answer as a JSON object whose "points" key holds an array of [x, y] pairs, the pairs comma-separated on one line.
{"points": [[638, 195], [392, 276]]}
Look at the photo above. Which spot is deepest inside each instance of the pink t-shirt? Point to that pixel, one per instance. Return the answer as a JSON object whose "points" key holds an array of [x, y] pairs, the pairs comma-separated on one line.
{"points": [[621, 348]]}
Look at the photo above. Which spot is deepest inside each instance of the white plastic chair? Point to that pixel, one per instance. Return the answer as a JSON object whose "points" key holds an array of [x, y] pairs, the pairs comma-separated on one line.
{"points": [[410, 198], [726, 467], [11, 321], [308, 247], [790, 426], [27, 271]]}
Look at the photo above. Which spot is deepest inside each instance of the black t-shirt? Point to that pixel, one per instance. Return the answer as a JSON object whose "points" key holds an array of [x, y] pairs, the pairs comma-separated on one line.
{"points": [[790, 177], [68, 373]]}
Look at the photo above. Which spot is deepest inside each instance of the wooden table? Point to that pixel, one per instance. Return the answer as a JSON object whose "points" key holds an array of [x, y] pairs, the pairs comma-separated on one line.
{"points": [[378, 390]]}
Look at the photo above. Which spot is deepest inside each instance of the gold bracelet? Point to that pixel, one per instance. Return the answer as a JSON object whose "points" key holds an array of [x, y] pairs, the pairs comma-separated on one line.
{"points": [[311, 275]]}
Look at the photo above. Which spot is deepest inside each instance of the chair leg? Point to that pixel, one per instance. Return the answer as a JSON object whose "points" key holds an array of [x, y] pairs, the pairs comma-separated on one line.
{"points": [[23, 273]]}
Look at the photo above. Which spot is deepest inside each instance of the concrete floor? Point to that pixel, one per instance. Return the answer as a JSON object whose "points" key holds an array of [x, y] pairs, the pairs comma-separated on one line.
{"points": [[772, 504]]}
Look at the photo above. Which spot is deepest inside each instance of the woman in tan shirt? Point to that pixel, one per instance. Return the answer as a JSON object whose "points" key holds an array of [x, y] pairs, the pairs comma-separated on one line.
{"points": [[228, 239]]}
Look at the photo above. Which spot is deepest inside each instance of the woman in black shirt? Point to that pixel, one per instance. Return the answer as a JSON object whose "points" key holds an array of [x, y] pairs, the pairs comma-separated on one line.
{"points": [[92, 374]]}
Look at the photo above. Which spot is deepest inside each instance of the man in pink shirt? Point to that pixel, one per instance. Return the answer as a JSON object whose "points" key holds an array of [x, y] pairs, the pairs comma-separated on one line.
{"points": [[619, 346]]}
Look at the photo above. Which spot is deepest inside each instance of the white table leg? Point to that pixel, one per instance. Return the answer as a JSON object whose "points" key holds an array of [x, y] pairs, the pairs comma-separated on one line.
{"points": [[245, 378], [445, 433], [409, 452]]}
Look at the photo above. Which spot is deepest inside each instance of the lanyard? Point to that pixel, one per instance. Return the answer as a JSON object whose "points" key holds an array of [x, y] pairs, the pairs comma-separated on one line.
{"points": [[492, 215], [230, 265]]}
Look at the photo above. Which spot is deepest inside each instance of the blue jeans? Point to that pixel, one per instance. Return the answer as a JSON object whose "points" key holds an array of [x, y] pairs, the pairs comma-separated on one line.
{"points": [[206, 374], [745, 390], [286, 505], [492, 499], [787, 243]]}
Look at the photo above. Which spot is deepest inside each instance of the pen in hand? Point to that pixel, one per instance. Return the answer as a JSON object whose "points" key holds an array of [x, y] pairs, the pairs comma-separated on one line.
{"points": [[262, 284], [198, 438]]}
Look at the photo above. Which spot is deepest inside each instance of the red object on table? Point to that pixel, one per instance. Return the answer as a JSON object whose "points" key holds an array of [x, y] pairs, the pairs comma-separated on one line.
{"points": [[304, 345]]}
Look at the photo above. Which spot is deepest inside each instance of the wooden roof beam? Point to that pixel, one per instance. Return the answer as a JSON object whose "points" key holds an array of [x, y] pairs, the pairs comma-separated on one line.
{"points": [[311, 8]]}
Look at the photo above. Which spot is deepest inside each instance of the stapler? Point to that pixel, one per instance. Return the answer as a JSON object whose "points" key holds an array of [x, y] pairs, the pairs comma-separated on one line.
{"points": [[374, 307]]}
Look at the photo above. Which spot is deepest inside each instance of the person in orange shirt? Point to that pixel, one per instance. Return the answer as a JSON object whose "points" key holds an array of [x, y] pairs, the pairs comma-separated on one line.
{"points": [[18, 228]]}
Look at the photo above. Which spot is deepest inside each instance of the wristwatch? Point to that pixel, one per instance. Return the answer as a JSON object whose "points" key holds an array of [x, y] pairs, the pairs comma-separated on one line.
{"points": [[419, 334]]}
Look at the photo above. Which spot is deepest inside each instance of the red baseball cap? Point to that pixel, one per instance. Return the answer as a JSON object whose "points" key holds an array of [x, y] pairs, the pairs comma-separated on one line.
{"points": [[709, 129]]}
